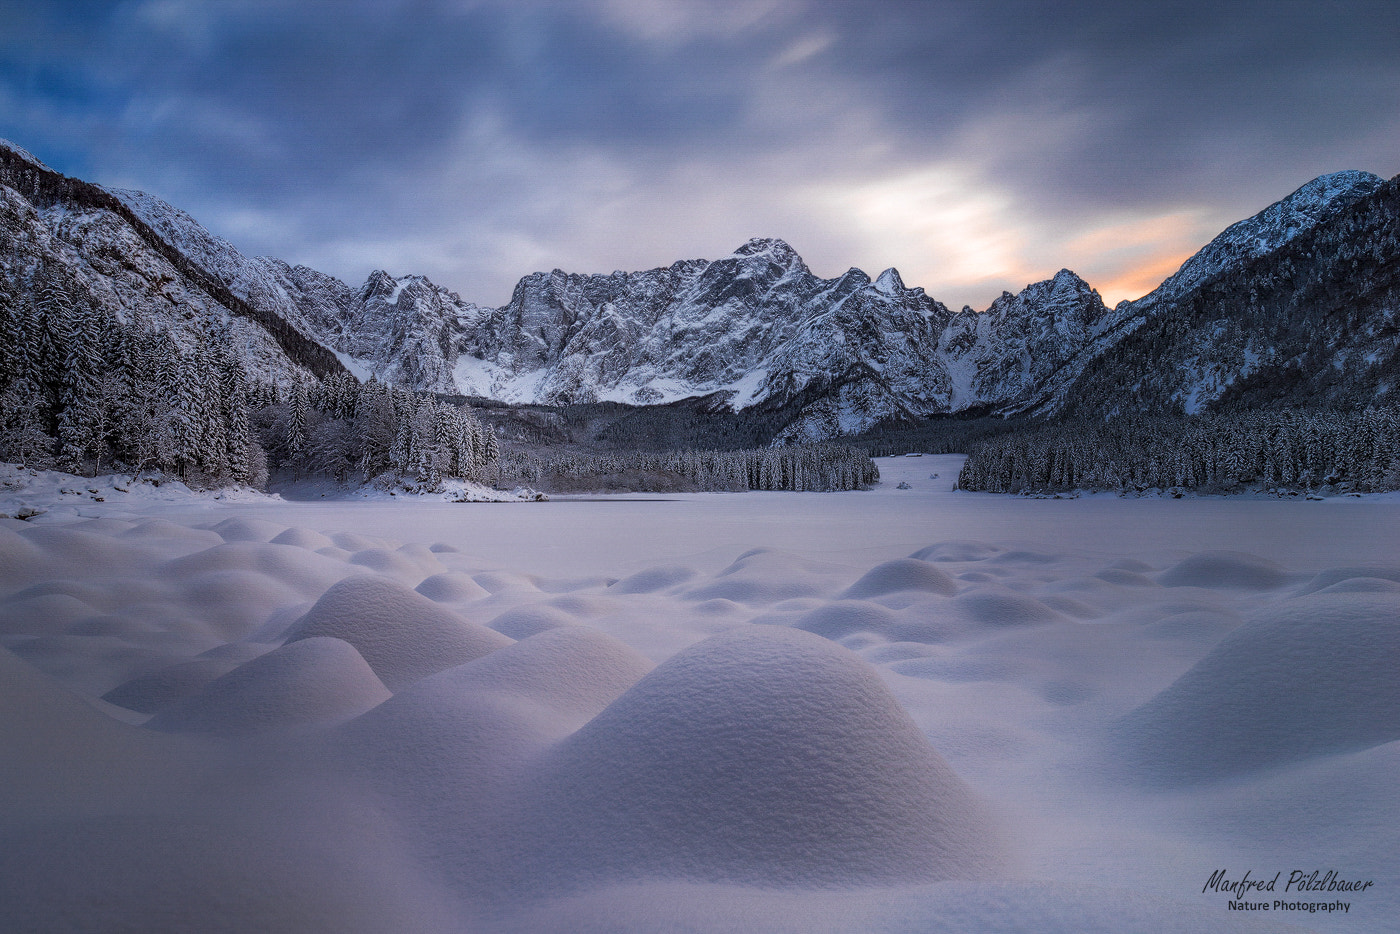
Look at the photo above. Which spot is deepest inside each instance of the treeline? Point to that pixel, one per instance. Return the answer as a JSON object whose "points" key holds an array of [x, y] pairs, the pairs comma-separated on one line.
{"points": [[339, 427], [814, 467], [84, 392], [948, 434], [1354, 451]]}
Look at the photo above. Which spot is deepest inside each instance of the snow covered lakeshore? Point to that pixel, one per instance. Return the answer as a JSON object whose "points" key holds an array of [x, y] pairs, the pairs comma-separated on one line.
{"points": [[958, 712]]}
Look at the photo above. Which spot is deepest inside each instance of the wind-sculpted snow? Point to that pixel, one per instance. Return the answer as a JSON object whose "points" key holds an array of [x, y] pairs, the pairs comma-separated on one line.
{"points": [[902, 574], [221, 719]]}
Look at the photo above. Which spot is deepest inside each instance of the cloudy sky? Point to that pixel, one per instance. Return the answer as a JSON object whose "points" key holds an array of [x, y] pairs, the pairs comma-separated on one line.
{"points": [[975, 146]]}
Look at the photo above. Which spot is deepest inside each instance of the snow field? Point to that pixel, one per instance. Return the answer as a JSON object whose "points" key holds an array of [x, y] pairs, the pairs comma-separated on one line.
{"points": [[217, 720]]}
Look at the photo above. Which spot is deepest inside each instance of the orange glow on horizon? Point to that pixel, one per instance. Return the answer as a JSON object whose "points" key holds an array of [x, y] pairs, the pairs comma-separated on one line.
{"points": [[1137, 281], [1128, 258]]}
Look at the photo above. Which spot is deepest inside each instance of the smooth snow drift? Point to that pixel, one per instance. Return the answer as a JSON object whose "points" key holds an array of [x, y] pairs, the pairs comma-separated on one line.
{"points": [[783, 712]]}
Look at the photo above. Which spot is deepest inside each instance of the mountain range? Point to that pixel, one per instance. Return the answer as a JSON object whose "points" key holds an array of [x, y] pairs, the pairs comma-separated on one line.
{"points": [[1298, 304]]}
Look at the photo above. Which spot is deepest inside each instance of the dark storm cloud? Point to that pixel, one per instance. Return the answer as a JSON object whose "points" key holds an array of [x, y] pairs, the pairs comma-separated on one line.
{"points": [[478, 140], [1166, 91], [324, 87]]}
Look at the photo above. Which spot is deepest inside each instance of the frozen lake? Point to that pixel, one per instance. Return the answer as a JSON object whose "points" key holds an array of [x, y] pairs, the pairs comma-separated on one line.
{"points": [[592, 535], [891, 710]]}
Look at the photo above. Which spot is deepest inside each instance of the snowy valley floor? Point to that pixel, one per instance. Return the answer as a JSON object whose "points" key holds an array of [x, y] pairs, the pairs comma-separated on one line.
{"points": [[896, 710]]}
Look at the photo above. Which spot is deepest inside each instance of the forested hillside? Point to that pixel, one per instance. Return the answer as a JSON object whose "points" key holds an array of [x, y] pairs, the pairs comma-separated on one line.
{"points": [[1294, 450], [800, 468], [82, 391]]}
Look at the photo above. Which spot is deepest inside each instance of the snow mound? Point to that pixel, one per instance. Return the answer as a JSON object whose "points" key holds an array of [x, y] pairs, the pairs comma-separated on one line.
{"points": [[164, 529], [525, 621], [314, 680], [43, 613], [900, 575], [234, 602], [402, 634], [575, 671], [352, 541], [1334, 576], [653, 579], [388, 562], [1125, 578], [1225, 570], [451, 747], [304, 572], [763, 577], [1026, 557], [81, 554], [451, 587], [302, 538], [247, 530], [1314, 675], [957, 551], [152, 692], [761, 755], [998, 607], [423, 556], [502, 581], [843, 617]]}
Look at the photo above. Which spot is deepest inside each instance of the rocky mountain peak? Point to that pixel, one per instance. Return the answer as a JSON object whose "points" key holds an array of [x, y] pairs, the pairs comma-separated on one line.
{"points": [[775, 249], [1063, 296], [1349, 183], [889, 282], [379, 284]]}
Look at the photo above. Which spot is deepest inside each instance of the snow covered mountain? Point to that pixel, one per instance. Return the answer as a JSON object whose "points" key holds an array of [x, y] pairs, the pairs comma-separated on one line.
{"points": [[1299, 294], [757, 328], [142, 260], [1211, 358], [1299, 305]]}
